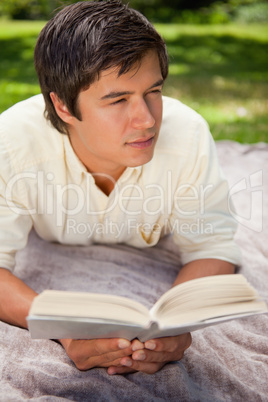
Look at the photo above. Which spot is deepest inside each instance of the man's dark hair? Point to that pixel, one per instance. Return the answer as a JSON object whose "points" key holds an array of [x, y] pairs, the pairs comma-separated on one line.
{"points": [[86, 38]]}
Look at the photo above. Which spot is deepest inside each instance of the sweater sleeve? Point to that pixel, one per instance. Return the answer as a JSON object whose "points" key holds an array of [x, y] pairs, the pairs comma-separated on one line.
{"points": [[201, 221], [15, 219]]}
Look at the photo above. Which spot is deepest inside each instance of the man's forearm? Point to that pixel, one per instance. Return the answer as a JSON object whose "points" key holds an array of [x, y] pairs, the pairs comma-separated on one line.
{"points": [[15, 299], [204, 267]]}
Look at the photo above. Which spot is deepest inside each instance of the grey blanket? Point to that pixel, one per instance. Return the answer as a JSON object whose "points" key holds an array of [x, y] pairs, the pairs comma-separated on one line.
{"points": [[227, 362]]}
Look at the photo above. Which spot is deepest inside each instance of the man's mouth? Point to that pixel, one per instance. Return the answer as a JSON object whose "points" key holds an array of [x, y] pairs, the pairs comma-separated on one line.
{"points": [[141, 143]]}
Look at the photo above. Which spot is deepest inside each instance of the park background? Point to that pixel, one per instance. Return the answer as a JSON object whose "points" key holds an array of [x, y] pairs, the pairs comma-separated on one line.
{"points": [[218, 54]]}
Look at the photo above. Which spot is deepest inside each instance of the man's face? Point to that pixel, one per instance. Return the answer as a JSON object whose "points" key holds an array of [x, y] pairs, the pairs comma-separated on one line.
{"points": [[121, 118]]}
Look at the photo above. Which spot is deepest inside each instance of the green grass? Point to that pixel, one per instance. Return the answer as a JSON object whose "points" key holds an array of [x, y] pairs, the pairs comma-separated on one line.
{"points": [[18, 79], [220, 71]]}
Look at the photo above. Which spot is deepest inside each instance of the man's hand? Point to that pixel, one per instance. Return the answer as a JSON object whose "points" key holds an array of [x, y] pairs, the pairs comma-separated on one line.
{"points": [[87, 354], [121, 356], [151, 356]]}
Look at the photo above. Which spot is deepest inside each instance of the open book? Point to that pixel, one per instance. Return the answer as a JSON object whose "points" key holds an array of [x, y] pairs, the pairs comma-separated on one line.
{"points": [[189, 306]]}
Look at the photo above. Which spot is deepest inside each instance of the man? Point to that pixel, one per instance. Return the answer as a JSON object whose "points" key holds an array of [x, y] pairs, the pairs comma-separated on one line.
{"points": [[109, 151]]}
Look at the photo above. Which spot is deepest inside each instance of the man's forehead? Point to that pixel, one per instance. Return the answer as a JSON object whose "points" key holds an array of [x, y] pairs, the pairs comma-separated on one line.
{"points": [[110, 84], [119, 69]]}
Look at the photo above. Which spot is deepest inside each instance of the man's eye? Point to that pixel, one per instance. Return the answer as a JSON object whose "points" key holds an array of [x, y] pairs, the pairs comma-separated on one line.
{"points": [[155, 92], [118, 101]]}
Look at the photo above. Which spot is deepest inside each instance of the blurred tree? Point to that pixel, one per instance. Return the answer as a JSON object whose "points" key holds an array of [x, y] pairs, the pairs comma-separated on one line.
{"points": [[30, 9], [173, 4], [192, 11]]}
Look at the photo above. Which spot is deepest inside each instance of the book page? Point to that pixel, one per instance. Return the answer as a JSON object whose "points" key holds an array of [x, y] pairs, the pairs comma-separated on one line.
{"points": [[202, 293], [202, 314], [89, 305]]}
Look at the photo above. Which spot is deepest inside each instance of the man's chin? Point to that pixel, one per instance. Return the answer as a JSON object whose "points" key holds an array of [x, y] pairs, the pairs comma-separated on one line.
{"points": [[141, 161]]}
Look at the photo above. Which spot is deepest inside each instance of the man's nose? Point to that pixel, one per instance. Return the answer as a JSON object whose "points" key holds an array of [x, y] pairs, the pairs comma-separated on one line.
{"points": [[141, 115]]}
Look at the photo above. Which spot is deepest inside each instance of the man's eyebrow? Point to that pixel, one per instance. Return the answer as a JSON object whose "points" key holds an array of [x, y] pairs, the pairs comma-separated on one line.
{"points": [[117, 94], [158, 83]]}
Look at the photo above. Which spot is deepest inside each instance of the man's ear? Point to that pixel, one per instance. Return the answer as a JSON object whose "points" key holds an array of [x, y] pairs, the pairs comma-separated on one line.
{"points": [[61, 109]]}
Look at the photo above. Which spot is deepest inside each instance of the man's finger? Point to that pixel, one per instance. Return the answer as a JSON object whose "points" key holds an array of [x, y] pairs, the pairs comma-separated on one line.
{"points": [[170, 343], [130, 365], [103, 346]]}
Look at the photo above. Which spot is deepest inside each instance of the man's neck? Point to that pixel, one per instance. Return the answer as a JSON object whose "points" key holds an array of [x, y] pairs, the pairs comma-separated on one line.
{"points": [[106, 182], [105, 174]]}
